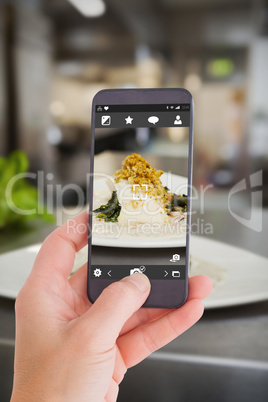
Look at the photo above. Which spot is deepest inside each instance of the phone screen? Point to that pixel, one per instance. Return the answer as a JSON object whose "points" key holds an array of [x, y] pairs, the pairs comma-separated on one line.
{"points": [[140, 191]]}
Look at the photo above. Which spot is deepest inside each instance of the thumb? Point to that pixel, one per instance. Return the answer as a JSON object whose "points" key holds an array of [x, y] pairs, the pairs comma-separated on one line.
{"points": [[115, 306]]}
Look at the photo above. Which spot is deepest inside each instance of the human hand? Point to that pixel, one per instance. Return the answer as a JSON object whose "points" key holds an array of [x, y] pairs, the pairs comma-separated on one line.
{"points": [[70, 350]]}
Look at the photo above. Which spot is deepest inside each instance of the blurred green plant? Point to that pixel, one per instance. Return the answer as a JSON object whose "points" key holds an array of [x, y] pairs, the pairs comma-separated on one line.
{"points": [[24, 196]]}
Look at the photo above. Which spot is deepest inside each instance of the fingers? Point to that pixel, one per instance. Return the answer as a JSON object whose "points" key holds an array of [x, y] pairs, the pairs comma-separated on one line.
{"points": [[78, 282], [56, 256], [119, 367], [112, 393], [199, 288], [114, 307], [151, 336]]}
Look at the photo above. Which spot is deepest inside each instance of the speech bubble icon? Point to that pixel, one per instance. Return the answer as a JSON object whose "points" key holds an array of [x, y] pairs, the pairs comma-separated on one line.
{"points": [[153, 119]]}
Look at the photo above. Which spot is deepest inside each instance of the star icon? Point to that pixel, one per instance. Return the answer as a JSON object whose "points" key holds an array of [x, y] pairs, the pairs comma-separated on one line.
{"points": [[129, 120]]}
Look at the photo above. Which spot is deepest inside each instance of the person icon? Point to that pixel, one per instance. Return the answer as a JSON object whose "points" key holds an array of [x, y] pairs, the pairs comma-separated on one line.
{"points": [[178, 120]]}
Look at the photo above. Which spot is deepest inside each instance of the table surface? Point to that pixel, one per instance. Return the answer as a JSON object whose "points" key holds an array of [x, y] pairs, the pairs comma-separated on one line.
{"points": [[236, 332]]}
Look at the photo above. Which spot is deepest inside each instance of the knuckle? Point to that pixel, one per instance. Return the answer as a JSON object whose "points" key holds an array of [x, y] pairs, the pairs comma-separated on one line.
{"points": [[149, 341]]}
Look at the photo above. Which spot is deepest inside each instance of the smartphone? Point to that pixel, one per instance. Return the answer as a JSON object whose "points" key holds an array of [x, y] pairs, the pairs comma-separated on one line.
{"points": [[140, 191]]}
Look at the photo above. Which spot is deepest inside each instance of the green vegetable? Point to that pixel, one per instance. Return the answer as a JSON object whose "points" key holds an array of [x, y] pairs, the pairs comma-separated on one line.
{"points": [[177, 203], [110, 211], [22, 196]]}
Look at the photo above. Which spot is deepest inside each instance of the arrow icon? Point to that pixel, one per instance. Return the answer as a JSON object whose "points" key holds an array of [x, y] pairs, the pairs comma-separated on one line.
{"points": [[166, 273], [109, 273]]}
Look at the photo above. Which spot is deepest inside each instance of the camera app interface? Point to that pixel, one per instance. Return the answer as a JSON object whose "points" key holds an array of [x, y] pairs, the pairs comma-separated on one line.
{"points": [[140, 188]]}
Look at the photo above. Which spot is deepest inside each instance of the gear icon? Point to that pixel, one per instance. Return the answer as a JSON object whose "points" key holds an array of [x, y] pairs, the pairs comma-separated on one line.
{"points": [[97, 272]]}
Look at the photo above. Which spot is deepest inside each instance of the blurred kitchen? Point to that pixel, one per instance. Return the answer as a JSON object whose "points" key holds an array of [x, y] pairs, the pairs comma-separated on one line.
{"points": [[54, 59], [56, 54]]}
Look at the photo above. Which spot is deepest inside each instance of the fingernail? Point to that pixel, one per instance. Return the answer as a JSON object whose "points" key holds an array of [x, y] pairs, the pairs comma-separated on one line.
{"points": [[140, 280]]}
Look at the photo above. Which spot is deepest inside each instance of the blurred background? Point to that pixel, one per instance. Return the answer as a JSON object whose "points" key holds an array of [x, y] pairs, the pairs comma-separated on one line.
{"points": [[54, 58]]}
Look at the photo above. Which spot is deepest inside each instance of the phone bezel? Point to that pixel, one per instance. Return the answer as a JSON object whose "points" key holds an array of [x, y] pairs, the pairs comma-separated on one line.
{"points": [[164, 293]]}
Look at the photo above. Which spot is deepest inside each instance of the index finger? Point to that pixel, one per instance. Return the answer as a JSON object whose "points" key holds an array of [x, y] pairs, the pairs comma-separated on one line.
{"points": [[56, 256], [200, 287], [153, 335]]}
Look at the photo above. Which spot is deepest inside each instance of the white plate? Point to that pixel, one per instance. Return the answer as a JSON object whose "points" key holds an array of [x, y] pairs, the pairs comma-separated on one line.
{"points": [[177, 184], [247, 279]]}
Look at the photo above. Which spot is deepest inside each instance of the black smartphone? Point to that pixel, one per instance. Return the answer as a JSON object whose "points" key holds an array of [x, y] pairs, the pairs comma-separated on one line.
{"points": [[140, 191]]}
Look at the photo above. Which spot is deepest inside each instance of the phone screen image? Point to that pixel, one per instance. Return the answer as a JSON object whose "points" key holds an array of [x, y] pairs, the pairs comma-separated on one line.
{"points": [[140, 194]]}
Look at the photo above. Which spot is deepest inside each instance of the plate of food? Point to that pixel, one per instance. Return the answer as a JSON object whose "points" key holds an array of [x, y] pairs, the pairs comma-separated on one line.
{"points": [[139, 206], [235, 282]]}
